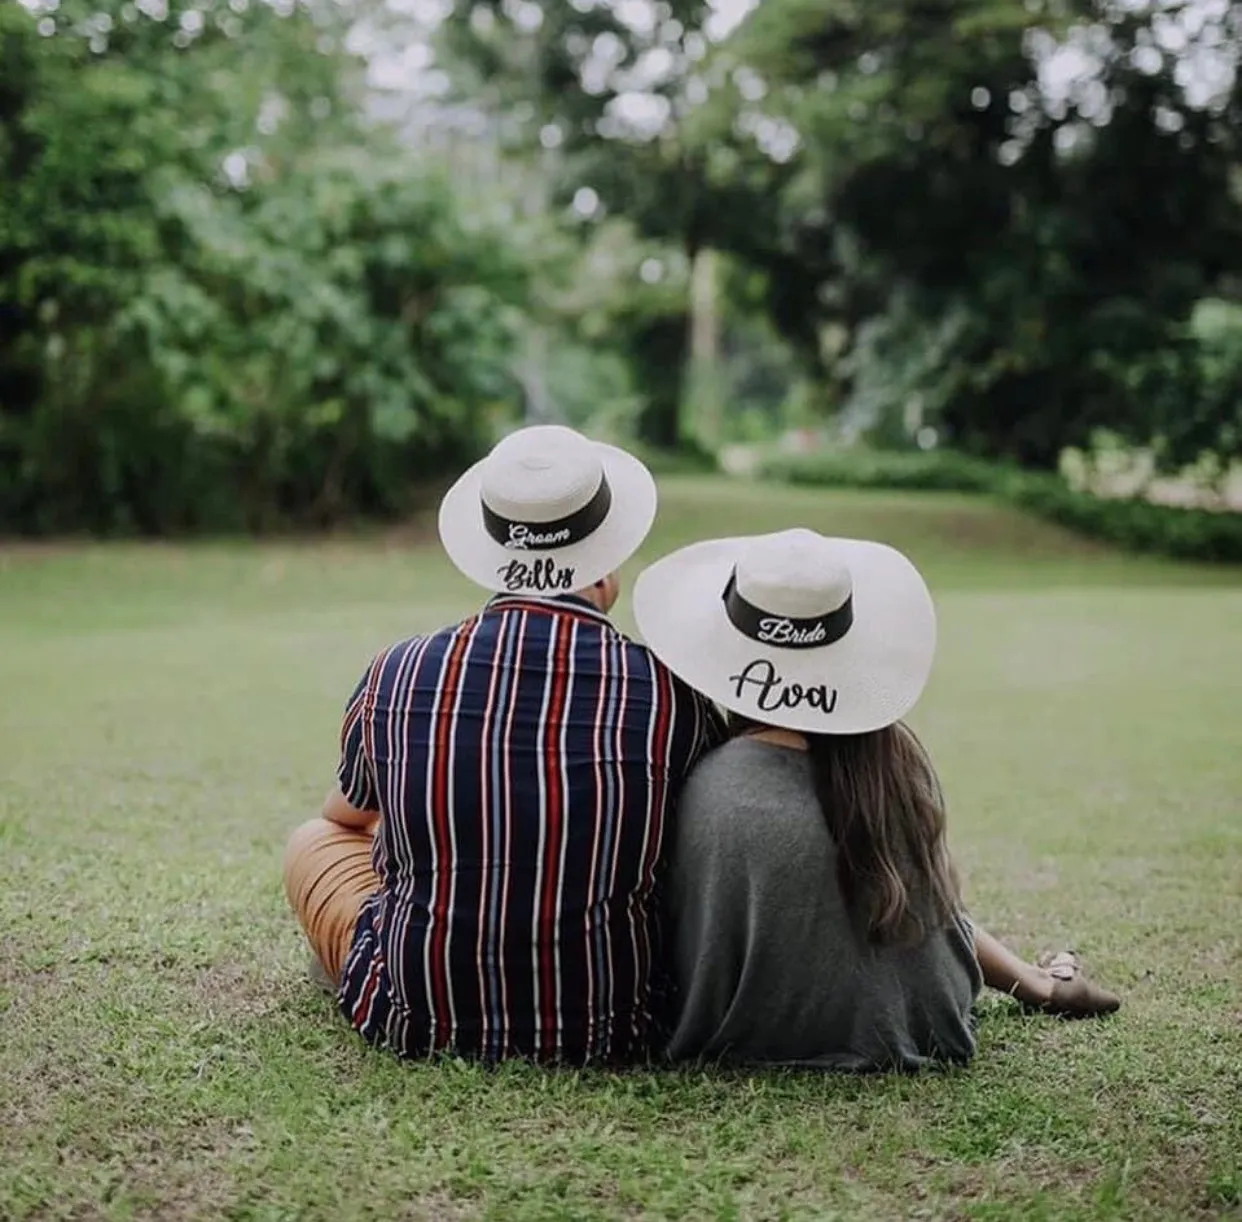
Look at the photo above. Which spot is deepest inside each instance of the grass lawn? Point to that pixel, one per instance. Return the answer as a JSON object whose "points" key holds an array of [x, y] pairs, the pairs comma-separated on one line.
{"points": [[171, 712]]}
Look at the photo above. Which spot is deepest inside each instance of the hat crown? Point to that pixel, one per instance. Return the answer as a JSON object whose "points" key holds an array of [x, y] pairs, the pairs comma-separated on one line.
{"points": [[540, 474], [796, 574]]}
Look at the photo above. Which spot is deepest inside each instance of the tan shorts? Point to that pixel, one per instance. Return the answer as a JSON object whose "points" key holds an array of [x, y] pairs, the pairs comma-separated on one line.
{"points": [[328, 875]]}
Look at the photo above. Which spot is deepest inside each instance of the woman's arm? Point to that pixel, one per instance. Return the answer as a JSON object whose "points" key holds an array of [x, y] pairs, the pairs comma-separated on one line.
{"points": [[1003, 970]]}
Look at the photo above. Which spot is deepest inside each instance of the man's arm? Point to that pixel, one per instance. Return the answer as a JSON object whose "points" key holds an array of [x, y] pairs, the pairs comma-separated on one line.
{"points": [[716, 726], [353, 801], [699, 726]]}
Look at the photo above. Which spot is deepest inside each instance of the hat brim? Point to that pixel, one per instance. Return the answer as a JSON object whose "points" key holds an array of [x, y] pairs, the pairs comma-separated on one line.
{"points": [[868, 679], [575, 567]]}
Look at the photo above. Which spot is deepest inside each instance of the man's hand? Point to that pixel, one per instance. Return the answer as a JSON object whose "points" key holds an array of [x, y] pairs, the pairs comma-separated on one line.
{"points": [[338, 809]]}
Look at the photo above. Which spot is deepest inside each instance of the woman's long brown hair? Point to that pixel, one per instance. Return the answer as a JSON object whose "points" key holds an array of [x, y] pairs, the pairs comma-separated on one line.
{"points": [[882, 802]]}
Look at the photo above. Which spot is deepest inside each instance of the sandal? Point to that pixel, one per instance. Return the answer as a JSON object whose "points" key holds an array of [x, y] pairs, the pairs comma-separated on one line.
{"points": [[1073, 995]]}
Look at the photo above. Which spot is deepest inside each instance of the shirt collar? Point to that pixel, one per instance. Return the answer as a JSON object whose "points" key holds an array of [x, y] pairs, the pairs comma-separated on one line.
{"points": [[552, 602]]}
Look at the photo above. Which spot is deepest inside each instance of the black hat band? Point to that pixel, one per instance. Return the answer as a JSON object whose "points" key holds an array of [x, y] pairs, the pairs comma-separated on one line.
{"points": [[548, 536], [785, 631]]}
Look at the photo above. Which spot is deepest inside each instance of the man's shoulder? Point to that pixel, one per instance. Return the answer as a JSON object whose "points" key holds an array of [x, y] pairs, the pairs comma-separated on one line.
{"points": [[640, 653], [395, 657], [632, 659], [662, 676], [407, 644]]}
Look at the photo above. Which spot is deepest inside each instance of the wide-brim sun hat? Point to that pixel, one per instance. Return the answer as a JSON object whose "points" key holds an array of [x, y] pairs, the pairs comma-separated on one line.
{"points": [[794, 629], [548, 511]]}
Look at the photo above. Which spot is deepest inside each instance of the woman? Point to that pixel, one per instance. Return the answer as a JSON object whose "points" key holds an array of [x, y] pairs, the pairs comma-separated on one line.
{"points": [[815, 911]]}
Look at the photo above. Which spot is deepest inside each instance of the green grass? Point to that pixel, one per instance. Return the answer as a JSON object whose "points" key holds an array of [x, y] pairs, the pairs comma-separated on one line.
{"points": [[170, 713]]}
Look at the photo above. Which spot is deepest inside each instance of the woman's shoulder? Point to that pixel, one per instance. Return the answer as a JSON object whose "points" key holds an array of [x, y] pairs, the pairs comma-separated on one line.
{"points": [[749, 810], [739, 753], [744, 773]]}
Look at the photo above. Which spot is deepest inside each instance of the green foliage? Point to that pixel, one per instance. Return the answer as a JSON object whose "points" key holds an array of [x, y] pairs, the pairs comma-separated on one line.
{"points": [[1212, 420], [592, 389], [1025, 264], [227, 302], [685, 459], [910, 470], [648, 322], [357, 333], [536, 74], [1128, 522], [934, 225]]}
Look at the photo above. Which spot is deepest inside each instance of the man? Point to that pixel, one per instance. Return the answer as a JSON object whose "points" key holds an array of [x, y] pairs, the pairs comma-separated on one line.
{"points": [[483, 880]]}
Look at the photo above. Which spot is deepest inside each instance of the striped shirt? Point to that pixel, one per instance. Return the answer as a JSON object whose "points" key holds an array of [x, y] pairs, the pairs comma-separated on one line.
{"points": [[524, 762]]}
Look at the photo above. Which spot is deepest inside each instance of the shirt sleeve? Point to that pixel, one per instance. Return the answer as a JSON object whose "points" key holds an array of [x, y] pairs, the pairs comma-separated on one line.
{"points": [[355, 773], [716, 725], [700, 725]]}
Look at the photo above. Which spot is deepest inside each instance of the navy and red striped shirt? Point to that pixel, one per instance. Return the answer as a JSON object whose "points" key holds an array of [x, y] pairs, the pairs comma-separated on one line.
{"points": [[525, 762]]}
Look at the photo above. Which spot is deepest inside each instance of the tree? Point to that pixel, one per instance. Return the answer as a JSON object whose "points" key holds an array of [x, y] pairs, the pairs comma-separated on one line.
{"points": [[232, 301], [600, 87], [1025, 263]]}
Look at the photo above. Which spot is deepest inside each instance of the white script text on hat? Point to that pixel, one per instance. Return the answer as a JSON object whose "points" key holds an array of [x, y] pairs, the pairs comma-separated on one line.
{"points": [[774, 693], [521, 536], [776, 631]]}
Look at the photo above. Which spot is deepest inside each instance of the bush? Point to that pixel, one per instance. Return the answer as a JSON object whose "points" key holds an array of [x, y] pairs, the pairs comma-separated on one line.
{"points": [[1129, 522], [1134, 524], [915, 471], [686, 459], [310, 355], [300, 340]]}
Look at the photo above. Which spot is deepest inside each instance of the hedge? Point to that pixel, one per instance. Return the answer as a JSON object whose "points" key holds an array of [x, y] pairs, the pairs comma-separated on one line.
{"points": [[1137, 525], [1128, 522], [915, 471]]}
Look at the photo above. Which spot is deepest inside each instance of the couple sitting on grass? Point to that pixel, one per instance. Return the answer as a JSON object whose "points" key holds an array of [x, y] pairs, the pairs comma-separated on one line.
{"points": [[549, 842]]}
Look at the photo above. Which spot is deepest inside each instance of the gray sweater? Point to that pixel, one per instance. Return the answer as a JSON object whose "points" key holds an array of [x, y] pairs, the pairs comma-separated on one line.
{"points": [[767, 965]]}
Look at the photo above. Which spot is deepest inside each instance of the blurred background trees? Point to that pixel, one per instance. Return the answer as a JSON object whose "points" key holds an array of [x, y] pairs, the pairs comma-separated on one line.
{"points": [[273, 262], [227, 297]]}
